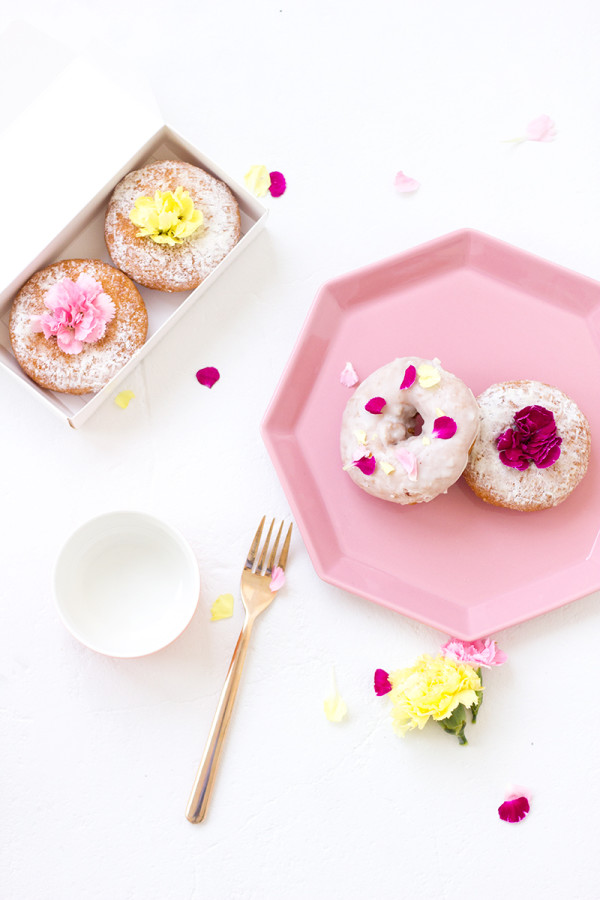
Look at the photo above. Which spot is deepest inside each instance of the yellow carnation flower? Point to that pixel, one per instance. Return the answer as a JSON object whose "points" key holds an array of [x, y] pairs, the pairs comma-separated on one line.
{"points": [[166, 218], [432, 688]]}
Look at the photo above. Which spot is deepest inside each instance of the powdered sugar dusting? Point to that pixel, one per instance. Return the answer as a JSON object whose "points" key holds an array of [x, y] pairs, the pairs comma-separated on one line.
{"points": [[96, 364], [160, 266], [532, 488]]}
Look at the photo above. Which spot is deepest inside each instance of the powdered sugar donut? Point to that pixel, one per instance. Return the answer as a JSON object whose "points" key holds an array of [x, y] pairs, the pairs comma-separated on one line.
{"points": [[177, 257], [88, 308], [533, 447], [407, 431]]}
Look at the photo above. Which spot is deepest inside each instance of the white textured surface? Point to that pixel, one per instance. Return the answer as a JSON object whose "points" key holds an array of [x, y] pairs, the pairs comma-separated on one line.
{"points": [[98, 755]]}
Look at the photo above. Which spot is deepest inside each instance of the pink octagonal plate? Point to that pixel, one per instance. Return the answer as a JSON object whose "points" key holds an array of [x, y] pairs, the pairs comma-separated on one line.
{"points": [[490, 313]]}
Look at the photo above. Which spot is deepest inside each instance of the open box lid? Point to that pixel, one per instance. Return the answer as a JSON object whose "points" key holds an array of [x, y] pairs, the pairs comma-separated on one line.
{"points": [[64, 147]]}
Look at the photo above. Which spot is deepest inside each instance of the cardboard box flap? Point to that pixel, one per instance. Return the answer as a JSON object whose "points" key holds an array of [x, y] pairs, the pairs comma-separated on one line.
{"points": [[60, 152]]}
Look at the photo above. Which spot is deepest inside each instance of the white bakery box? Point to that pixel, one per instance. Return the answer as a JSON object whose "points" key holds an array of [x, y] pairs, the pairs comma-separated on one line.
{"points": [[65, 153]]}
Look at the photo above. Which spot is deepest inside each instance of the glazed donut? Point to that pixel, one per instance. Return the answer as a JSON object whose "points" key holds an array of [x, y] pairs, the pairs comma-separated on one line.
{"points": [[179, 266], [540, 468], [95, 363], [407, 431]]}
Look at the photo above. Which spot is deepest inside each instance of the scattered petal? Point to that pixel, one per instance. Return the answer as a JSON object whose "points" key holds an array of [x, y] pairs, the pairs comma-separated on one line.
{"points": [[408, 461], [277, 579], [348, 376], [439, 412], [429, 376], [208, 376], [366, 464], [361, 436], [278, 184], [514, 808], [444, 428], [222, 608], [387, 468], [405, 184], [409, 378], [381, 682], [334, 706], [257, 180], [124, 398], [375, 405], [541, 129], [426, 440]]}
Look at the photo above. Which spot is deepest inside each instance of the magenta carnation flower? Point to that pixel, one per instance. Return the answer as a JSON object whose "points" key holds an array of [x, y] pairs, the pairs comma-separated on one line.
{"points": [[533, 439]]}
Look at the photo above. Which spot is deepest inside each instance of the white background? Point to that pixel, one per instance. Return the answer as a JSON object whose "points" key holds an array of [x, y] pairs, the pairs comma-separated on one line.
{"points": [[98, 755]]}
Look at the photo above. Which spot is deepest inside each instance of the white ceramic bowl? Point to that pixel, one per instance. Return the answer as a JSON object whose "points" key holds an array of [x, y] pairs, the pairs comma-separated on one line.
{"points": [[126, 584]]}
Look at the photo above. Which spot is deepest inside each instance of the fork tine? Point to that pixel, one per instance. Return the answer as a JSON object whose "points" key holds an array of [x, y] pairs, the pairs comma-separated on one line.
{"points": [[255, 543], [274, 551], [265, 549], [284, 550]]}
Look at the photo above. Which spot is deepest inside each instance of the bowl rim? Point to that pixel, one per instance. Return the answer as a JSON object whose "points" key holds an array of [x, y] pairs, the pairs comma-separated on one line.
{"points": [[169, 531]]}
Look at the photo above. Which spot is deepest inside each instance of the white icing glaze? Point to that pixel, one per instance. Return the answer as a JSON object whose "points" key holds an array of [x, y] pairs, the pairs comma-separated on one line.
{"points": [[439, 462], [532, 488]]}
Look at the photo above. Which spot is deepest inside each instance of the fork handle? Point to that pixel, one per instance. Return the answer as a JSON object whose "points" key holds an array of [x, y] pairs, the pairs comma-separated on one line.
{"points": [[207, 771]]}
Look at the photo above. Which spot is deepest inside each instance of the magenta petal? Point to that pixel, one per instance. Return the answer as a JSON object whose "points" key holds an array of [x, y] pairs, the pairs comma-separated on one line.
{"points": [[382, 682], [514, 810], [208, 376], [409, 378], [278, 184], [375, 405], [366, 464], [444, 427]]}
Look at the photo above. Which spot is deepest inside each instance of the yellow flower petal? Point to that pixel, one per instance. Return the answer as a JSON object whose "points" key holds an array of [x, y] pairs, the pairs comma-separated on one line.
{"points": [[335, 708], [428, 375], [426, 440], [257, 180], [167, 218], [432, 688], [361, 436], [124, 398], [222, 608], [387, 468]]}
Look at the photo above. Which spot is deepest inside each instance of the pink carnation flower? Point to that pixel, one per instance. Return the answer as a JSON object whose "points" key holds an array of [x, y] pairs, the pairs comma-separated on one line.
{"points": [[478, 653], [78, 313]]}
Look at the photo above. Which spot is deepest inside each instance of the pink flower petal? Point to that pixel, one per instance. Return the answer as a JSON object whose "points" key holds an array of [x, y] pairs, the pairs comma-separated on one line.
{"points": [[408, 461], [277, 579], [477, 653], [444, 428], [348, 376], [409, 378], [405, 184], [375, 405], [381, 682], [366, 464], [514, 809], [208, 376], [278, 184], [541, 129]]}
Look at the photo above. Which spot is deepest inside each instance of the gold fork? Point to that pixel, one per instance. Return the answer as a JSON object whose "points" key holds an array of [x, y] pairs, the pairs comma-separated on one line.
{"points": [[256, 596]]}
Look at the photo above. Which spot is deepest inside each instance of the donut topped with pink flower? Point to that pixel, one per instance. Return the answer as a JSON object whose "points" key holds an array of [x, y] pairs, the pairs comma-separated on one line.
{"points": [[74, 324], [533, 447]]}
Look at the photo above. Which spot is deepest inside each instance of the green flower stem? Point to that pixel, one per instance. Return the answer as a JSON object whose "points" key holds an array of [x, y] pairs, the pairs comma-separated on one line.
{"points": [[477, 704]]}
